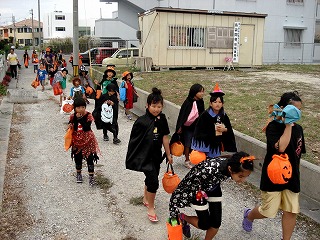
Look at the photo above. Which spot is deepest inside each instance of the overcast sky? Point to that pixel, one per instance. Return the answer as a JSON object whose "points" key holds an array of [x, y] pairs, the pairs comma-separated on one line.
{"points": [[89, 10]]}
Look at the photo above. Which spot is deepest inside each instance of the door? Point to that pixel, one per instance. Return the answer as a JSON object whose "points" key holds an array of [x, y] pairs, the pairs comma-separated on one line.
{"points": [[246, 45]]}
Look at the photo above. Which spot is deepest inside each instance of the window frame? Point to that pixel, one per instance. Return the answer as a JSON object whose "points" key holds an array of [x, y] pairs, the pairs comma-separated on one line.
{"points": [[295, 2], [186, 37], [60, 17], [289, 36], [63, 29]]}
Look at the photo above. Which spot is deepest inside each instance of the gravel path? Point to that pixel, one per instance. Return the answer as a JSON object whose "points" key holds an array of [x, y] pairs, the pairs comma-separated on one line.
{"points": [[62, 209]]}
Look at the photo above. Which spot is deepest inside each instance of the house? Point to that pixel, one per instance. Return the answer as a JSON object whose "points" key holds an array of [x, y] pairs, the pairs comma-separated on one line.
{"points": [[175, 37], [289, 30], [57, 25], [22, 32]]}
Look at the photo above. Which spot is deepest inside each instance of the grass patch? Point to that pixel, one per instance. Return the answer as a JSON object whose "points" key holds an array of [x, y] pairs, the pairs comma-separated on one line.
{"points": [[247, 98], [103, 182], [136, 201]]}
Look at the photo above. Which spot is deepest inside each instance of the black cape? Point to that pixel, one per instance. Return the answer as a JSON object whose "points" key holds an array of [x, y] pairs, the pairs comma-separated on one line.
{"points": [[205, 133], [140, 147]]}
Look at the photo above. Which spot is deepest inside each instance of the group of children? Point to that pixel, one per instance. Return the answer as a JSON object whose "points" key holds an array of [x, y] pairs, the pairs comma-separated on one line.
{"points": [[204, 130], [210, 131]]}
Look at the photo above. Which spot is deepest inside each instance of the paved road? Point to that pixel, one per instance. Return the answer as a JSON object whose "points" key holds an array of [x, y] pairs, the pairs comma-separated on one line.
{"points": [[63, 209]]}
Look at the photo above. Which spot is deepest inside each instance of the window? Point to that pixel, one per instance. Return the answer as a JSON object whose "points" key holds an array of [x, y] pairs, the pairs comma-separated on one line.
{"points": [[136, 52], [220, 37], [60, 29], [10, 30], [60, 17], [295, 1], [124, 54], [20, 30], [292, 37], [21, 41], [28, 42], [185, 36]]}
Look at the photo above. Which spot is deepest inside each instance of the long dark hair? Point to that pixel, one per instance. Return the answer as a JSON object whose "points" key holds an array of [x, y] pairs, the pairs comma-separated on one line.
{"points": [[194, 89]]}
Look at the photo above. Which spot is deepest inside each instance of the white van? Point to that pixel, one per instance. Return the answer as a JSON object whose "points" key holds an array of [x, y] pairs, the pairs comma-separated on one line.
{"points": [[122, 57]]}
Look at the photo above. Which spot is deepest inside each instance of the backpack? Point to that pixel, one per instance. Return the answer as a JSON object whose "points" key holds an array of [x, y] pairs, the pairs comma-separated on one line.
{"points": [[106, 113], [77, 92], [123, 92]]}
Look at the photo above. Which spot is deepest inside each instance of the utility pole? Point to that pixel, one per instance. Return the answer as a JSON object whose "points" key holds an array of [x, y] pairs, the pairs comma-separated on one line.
{"points": [[39, 25], [14, 30], [32, 29], [75, 39]]}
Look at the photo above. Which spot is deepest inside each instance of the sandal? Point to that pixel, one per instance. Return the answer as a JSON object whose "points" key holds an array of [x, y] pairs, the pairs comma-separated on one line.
{"points": [[188, 164], [147, 205], [185, 226], [153, 218], [246, 223]]}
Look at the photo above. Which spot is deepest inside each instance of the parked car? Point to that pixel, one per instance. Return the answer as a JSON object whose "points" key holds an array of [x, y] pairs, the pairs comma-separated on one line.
{"points": [[122, 57], [97, 54]]}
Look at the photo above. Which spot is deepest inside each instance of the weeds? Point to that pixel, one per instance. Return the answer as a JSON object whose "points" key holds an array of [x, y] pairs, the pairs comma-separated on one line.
{"points": [[103, 182], [136, 201]]}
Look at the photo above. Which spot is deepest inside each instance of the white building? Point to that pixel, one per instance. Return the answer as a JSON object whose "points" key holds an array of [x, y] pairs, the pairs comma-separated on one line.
{"points": [[289, 27], [57, 25]]}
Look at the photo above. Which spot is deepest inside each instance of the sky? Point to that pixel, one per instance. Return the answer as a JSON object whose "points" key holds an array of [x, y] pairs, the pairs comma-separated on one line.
{"points": [[89, 10]]}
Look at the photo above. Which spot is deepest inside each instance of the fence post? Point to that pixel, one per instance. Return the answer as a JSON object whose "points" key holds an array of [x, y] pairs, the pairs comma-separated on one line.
{"points": [[302, 53], [279, 53]]}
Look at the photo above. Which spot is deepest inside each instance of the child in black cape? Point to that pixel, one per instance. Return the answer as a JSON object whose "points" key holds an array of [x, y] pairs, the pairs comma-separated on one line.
{"points": [[148, 134], [111, 98], [213, 133], [185, 127]]}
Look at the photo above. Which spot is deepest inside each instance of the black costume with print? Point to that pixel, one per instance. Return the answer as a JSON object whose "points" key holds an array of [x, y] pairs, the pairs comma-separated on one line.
{"points": [[294, 150], [206, 176], [144, 151]]}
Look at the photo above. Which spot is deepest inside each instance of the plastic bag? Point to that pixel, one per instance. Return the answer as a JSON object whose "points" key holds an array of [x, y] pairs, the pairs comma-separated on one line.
{"points": [[66, 106], [68, 139]]}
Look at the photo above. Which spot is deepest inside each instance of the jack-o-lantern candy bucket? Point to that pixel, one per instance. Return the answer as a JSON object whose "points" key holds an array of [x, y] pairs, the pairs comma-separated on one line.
{"points": [[67, 107], [279, 169], [177, 149], [197, 157]]}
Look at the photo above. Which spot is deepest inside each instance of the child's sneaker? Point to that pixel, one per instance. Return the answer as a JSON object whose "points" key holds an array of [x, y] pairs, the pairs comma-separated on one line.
{"points": [[92, 182], [79, 178], [246, 223], [129, 117], [185, 226], [116, 141], [105, 138]]}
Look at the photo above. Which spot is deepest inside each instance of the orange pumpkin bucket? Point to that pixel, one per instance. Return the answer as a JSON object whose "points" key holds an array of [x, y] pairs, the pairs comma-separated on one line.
{"points": [[174, 232], [177, 149], [279, 169], [170, 180], [67, 107], [197, 157]]}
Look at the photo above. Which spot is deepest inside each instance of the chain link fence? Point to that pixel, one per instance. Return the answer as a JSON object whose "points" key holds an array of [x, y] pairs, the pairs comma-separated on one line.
{"points": [[293, 53]]}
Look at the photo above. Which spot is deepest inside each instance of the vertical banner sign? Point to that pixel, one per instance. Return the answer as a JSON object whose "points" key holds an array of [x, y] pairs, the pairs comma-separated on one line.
{"points": [[236, 42]]}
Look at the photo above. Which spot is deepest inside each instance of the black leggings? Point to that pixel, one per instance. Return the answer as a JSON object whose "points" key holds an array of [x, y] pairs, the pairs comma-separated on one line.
{"points": [[212, 216], [13, 69], [112, 128], [78, 161], [151, 180]]}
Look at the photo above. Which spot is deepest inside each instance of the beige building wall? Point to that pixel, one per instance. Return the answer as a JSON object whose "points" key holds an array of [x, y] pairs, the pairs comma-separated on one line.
{"points": [[155, 39]]}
